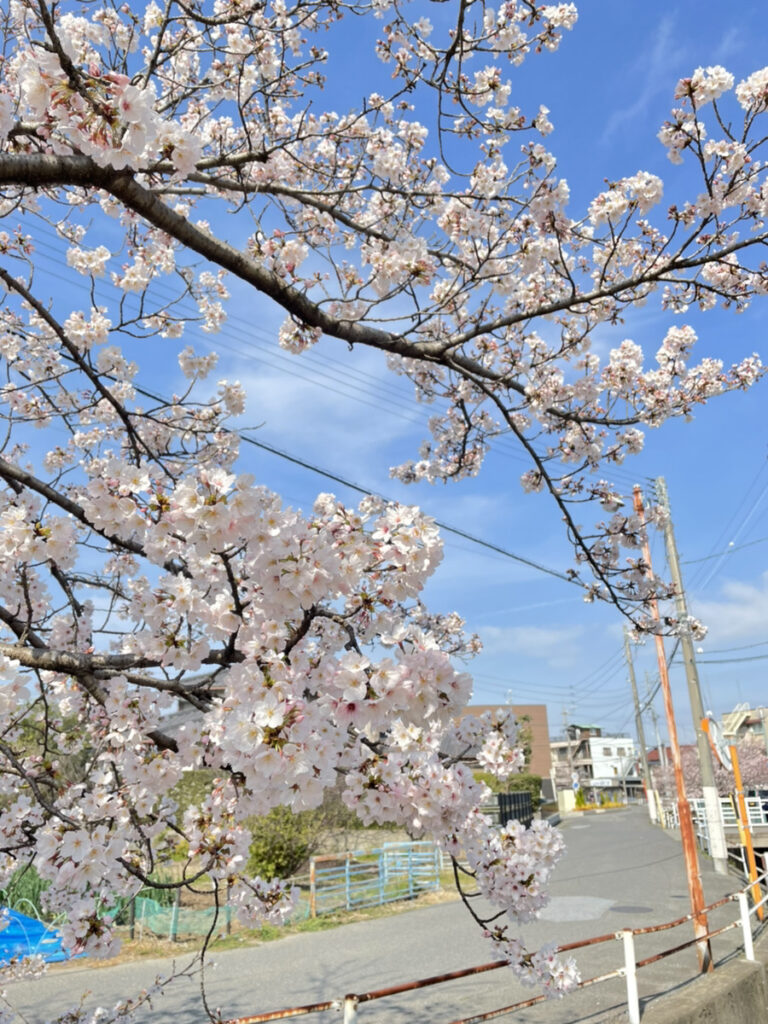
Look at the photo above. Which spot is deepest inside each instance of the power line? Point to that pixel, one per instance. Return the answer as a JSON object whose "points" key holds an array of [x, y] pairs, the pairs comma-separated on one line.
{"points": [[277, 359], [745, 520], [488, 545], [397, 397], [730, 661], [729, 650], [443, 526], [725, 551]]}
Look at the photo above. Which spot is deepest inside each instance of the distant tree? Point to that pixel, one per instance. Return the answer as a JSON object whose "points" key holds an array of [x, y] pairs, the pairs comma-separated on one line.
{"points": [[753, 765], [283, 841], [752, 761]]}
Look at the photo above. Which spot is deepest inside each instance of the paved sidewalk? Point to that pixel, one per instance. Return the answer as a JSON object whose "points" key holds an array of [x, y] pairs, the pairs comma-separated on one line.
{"points": [[619, 872]]}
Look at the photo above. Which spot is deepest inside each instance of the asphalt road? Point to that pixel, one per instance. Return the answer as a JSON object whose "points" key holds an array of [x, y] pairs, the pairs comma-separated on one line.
{"points": [[620, 872]]}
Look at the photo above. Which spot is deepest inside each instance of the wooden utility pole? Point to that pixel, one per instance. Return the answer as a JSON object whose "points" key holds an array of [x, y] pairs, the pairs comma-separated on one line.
{"points": [[690, 855], [718, 847], [640, 731]]}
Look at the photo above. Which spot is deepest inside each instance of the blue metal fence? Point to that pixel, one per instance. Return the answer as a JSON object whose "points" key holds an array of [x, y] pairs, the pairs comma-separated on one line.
{"points": [[340, 881], [395, 871]]}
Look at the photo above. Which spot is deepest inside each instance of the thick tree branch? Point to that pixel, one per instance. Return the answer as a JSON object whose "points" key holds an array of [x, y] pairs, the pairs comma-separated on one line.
{"points": [[77, 664]]}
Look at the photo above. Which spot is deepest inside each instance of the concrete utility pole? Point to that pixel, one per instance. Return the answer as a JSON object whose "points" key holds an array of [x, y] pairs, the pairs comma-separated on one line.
{"points": [[718, 847], [640, 731], [688, 839], [661, 748], [568, 741]]}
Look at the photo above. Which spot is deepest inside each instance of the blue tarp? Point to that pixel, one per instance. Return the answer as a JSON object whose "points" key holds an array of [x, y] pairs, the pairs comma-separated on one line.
{"points": [[24, 936]]}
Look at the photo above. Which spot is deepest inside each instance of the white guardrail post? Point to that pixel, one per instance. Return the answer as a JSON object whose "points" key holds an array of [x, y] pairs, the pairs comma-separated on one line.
{"points": [[350, 1010], [630, 973], [746, 926]]}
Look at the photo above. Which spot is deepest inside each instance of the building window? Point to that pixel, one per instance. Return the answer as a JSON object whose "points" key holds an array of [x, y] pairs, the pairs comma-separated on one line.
{"points": [[606, 751], [621, 751]]}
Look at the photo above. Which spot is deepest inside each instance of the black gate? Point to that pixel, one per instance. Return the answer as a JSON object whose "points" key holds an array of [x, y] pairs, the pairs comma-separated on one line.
{"points": [[515, 807]]}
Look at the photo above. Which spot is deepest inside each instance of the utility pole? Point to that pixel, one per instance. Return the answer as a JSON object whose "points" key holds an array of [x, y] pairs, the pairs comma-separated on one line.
{"points": [[655, 718], [718, 847], [568, 740], [640, 731], [661, 749], [695, 890], [571, 770]]}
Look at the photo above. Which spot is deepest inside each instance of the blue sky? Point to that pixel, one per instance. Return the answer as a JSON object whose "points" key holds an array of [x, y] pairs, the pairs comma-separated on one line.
{"points": [[608, 89]]}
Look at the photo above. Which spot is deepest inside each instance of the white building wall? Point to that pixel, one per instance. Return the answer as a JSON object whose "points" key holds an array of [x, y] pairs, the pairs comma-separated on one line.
{"points": [[613, 757]]}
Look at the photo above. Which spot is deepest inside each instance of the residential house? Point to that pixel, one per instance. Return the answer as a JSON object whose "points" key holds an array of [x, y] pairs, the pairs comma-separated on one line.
{"points": [[597, 764], [744, 722]]}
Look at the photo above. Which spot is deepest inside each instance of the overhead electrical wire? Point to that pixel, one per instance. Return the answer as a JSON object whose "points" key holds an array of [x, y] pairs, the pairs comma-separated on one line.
{"points": [[697, 582], [726, 551], [304, 464], [274, 358], [311, 365], [455, 530], [730, 661], [730, 650]]}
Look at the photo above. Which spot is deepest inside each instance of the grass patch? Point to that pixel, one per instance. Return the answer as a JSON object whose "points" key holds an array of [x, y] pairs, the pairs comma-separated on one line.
{"points": [[151, 947]]}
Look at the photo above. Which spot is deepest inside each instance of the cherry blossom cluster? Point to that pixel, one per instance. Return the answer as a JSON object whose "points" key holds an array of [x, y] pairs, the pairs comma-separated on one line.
{"points": [[513, 865]]}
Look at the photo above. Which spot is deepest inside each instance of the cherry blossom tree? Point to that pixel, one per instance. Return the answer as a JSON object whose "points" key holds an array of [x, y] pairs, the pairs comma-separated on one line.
{"points": [[173, 148], [753, 764], [664, 777]]}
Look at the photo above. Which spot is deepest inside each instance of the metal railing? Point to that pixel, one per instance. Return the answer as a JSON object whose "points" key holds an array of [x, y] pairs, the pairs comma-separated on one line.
{"points": [[394, 871], [627, 969], [757, 811]]}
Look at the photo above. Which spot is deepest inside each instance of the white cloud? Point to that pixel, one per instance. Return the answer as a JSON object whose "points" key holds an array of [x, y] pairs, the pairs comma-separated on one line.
{"points": [[558, 646], [650, 76], [740, 614], [731, 44], [341, 426], [574, 601]]}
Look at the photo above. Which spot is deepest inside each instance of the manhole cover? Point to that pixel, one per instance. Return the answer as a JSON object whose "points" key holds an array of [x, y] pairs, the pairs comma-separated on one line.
{"points": [[574, 908], [631, 910]]}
